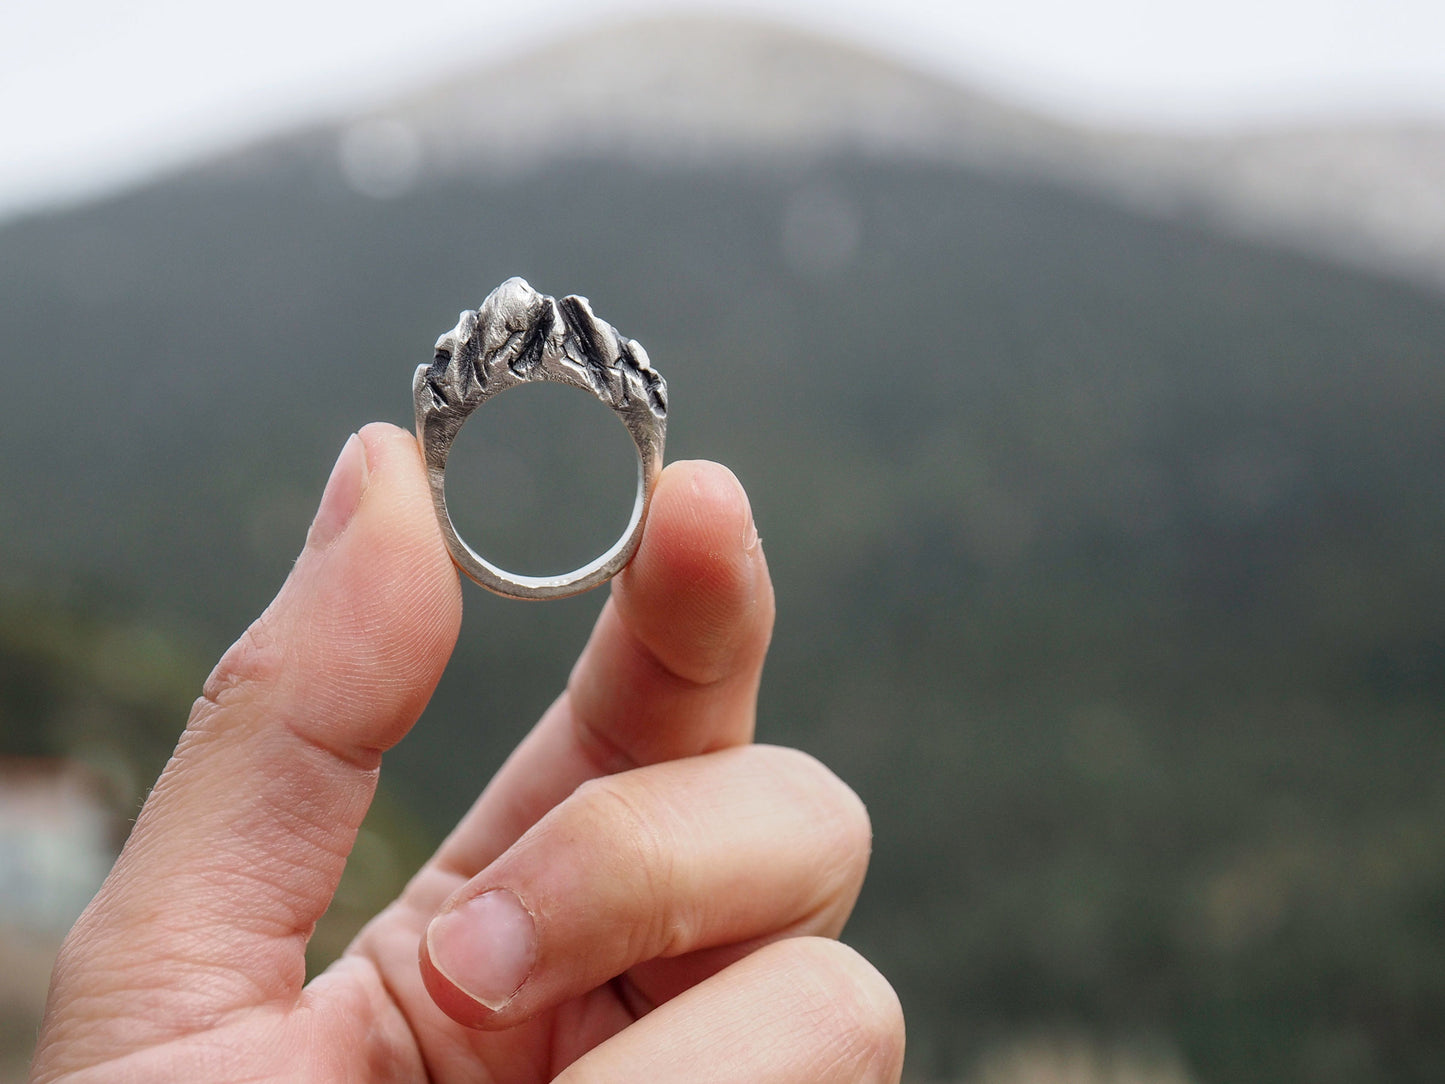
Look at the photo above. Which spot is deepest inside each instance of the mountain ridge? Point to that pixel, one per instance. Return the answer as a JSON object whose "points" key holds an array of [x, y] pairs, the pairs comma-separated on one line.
{"points": [[670, 91], [690, 90]]}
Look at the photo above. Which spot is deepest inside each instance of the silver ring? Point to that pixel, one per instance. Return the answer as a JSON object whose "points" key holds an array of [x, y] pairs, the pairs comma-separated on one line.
{"points": [[519, 335]]}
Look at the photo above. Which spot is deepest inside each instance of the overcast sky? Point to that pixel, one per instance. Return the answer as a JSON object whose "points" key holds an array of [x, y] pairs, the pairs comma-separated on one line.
{"points": [[95, 92]]}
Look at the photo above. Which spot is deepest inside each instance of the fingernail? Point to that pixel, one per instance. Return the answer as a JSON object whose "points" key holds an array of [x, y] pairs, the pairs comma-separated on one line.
{"points": [[342, 495], [486, 946], [750, 535]]}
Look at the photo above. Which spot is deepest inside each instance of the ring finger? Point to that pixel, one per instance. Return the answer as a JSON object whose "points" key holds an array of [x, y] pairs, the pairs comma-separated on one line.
{"points": [[829, 1017]]}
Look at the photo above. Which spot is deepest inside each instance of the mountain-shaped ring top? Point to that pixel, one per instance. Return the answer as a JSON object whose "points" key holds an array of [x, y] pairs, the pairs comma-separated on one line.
{"points": [[518, 335]]}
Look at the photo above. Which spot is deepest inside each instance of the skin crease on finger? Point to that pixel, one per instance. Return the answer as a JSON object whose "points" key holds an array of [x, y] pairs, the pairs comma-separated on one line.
{"points": [[189, 964]]}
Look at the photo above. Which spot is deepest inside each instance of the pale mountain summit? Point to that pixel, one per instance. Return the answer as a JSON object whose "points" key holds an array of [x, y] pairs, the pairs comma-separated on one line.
{"points": [[702, 91]]}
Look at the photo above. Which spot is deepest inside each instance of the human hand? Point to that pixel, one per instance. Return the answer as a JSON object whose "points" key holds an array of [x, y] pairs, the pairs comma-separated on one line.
{"points": [[640, 894]]}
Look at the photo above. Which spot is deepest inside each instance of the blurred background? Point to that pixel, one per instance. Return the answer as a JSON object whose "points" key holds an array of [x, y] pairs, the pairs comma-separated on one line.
{"points": [[1083, 362]]}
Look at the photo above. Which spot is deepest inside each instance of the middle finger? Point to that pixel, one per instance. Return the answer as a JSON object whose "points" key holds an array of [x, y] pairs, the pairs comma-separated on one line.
{"points": [[658, 862]]}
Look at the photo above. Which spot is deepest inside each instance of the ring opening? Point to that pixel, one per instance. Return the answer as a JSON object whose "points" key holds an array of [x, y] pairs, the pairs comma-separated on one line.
{"points": [[542, 480]]}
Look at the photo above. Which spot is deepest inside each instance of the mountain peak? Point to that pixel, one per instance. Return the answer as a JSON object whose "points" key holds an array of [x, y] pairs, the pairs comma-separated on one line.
{"points": [[688, 89], [698, 90]]}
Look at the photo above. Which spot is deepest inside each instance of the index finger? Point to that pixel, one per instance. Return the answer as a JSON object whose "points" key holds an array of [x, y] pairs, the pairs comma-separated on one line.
{"points": [[672, 668]]}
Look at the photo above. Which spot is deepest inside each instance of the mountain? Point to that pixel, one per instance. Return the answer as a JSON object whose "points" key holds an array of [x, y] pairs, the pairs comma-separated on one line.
{"points": [[1107, 543], [689, 90]]}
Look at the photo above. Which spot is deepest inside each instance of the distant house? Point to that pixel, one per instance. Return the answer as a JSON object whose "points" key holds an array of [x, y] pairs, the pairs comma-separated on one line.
{"points": [[58, 839]]}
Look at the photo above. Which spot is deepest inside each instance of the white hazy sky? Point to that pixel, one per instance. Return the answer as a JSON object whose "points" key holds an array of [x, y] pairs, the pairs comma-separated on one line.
{"points": [[97, 92]]}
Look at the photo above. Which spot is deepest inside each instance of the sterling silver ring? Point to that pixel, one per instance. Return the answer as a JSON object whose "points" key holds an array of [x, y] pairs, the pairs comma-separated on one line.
{"points": [[517, 336]]}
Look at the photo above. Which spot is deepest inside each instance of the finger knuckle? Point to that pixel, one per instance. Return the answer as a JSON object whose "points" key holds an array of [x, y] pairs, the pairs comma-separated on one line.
{"points": [[253, 660], [639, 854], [857, 1013]]}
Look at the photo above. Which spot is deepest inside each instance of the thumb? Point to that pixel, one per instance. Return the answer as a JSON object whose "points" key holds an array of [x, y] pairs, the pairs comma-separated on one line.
{"points": [[239, 847]]}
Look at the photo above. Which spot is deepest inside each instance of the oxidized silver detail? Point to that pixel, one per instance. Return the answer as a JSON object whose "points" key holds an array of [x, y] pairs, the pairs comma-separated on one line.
{"points": [[519, 335]]}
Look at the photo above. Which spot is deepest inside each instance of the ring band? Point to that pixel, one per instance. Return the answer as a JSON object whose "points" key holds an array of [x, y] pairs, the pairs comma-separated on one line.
{"points": [[517, 336]]}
